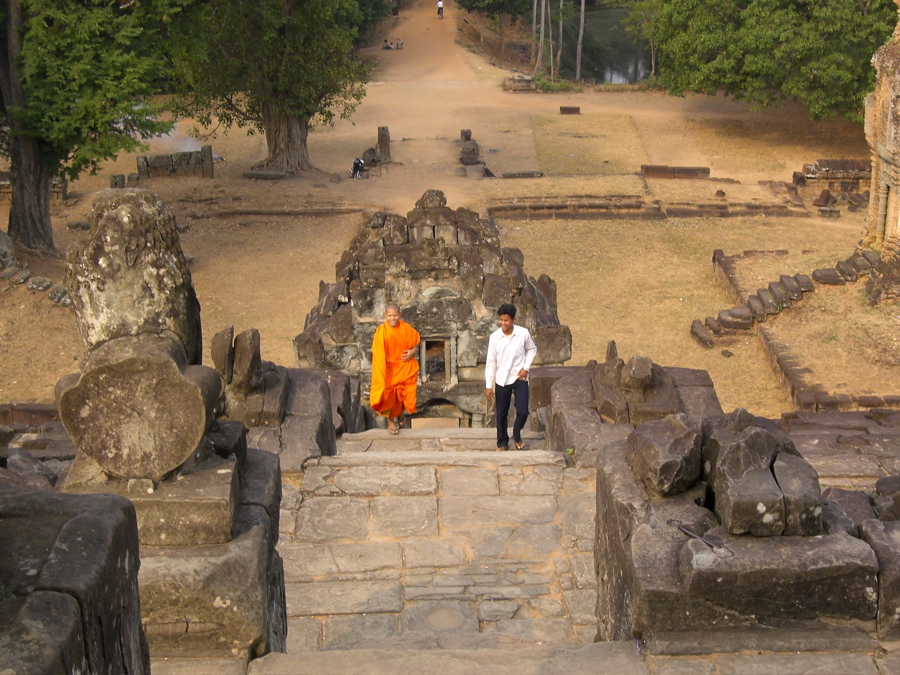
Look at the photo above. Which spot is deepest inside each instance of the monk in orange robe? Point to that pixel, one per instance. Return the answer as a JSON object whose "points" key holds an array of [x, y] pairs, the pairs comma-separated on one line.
{"points": [[395, 370]]}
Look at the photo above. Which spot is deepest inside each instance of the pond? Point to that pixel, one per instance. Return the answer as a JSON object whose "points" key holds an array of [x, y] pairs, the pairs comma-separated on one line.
{"points": [[609, 53]]}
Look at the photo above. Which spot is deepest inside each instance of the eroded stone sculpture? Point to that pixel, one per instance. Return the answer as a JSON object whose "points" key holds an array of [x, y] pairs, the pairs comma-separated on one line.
{"points": [[142, 403]]}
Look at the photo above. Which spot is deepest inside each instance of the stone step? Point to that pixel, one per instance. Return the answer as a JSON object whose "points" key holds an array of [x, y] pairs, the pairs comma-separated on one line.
{"points": [[439, 440], [609, 658], [421, 472], [439, 458]]}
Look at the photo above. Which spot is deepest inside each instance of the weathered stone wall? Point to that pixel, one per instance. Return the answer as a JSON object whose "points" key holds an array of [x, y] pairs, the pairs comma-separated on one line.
{"points": [[191, 163], [68, 595]]}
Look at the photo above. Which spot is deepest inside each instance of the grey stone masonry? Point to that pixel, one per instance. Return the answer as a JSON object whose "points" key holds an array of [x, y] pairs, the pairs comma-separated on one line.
{"points": [[433, 532]]}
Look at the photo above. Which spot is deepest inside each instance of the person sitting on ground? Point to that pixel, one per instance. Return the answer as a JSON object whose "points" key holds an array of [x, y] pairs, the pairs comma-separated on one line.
{"points": [[510, 353], [399, 43], [386, 45], [395, 371]]}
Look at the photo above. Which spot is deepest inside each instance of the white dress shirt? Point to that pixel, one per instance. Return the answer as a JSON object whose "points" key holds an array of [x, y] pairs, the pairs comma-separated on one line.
{"points": [[507, 355]]}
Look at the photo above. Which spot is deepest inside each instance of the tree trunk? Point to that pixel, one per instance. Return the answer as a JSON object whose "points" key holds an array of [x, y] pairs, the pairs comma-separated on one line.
{"points": [[550, 36], [481, 28], [31, 170], [533, 29], [285, 142], [29, 213], [652, 59], [540, 54], [501, 35], [580, 41], [560, 45]]}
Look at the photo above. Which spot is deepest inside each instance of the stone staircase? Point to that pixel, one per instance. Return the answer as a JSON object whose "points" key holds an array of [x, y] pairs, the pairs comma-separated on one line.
{"points": [[433, 533]]}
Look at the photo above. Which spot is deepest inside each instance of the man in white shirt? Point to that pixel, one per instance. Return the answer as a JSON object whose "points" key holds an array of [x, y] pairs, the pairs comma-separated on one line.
{"points": [[510, 354]]}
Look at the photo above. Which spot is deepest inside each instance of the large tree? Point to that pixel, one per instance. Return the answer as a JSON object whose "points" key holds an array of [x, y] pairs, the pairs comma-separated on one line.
{"points": [[815, 51], [75, 76], [274, 66]]}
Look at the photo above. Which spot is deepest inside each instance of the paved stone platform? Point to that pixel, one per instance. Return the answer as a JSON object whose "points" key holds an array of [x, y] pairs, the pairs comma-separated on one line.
{"points": [[435, 532]]}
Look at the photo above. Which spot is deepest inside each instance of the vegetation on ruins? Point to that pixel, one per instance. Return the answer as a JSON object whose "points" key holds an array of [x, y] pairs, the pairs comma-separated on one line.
{"points": [[75, 77], [273, 66], [766, 51]]}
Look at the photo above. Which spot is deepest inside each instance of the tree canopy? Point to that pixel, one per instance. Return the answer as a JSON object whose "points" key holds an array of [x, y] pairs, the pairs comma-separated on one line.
{"points": [[275, 66], [764, 51], [76, 78]]}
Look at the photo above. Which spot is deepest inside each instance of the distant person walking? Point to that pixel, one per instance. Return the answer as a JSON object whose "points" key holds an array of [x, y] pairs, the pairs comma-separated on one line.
{"points": [[440, 7], [395, 370], [511, 351]]}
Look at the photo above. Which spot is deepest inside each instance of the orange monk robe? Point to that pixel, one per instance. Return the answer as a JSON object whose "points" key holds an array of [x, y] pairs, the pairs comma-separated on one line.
{"points": [[393, 380]]}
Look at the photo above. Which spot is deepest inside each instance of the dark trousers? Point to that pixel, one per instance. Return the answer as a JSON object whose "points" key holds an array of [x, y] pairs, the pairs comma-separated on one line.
{"points": [[503, 395]]}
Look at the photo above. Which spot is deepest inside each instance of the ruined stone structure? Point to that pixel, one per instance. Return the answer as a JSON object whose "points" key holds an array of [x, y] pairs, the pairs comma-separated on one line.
{"points": [[142, 415], [68, 587], [715, 524], [883, 136], [449, 274]]}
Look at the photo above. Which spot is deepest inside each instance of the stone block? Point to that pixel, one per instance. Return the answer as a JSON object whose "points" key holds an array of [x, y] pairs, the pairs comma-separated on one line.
{"points": [[202, 585], [575, 389], [884, 538], [439, 617], [533, 542], [497, 610], [386, 480], [779, 295], [541, 380], [404, 516], [768, 302], [330, 519], [487, 512], [785, 577], [69, 583], [580, 429], [734, 444], [307, 562], [740, 318], [425, 552], [858, 506], [752, 504], [197, 508], [42, 634], [757, 309], [700, 334], [829, 276], [553, 631], [847, 271], [799, 483], [305, 437], [541, 480], [345, 632], [554, 344], [460, 481], [344, 597], [791, 287], [666, 454], [304, 635]]}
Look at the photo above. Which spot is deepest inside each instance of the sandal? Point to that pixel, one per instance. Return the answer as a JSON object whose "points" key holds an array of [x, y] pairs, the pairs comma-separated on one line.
{"points": [[520, 445], [393, 429]]}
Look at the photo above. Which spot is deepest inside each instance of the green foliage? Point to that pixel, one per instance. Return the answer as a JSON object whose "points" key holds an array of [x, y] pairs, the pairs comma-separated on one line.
{"points": [[764, 51], [235, 58], [87, 69], [543, 84], [495, 8]]}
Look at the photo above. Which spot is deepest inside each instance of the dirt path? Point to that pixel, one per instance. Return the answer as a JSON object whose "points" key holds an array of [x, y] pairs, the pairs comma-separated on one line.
{"points": [[638, 283]]}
